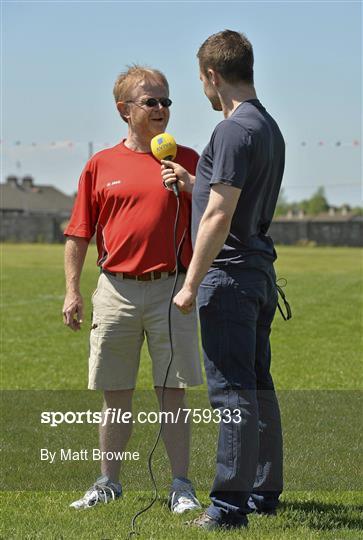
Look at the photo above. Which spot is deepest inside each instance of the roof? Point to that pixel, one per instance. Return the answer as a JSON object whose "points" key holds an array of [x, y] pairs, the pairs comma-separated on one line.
{"points": [[33, 198], [326, 217]]}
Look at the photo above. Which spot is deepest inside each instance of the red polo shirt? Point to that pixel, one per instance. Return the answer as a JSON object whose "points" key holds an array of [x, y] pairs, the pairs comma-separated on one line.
{"points": [[121, 197]]}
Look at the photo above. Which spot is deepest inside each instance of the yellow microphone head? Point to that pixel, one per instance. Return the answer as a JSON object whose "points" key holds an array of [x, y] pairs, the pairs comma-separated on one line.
{"points": [[163, 146]]}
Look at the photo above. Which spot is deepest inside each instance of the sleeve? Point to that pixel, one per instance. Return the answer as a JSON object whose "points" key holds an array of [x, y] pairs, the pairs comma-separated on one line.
{"points": [[194, 162], [85, 210], [231, 149], [188, 158]]}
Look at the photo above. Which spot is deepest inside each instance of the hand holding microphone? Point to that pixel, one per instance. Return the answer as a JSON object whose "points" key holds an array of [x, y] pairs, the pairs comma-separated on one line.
{"points": [[163, 147]]}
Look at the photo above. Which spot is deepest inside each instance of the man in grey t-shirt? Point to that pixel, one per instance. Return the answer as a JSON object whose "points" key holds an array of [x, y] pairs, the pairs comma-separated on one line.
{"points": [[234, 197]]}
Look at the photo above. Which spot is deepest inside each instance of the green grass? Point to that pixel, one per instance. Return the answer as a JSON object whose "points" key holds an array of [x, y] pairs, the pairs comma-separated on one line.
{"points": [[303, 516], [319, 349]]}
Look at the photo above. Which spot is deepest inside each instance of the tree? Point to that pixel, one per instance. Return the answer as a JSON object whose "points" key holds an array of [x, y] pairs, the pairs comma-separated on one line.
{"points": [[282, 204], [317, 203]]}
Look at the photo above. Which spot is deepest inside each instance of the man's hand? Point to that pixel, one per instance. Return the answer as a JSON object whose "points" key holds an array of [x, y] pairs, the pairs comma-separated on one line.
{"points": [[73, 311], [185, 300], [172, 173], [74, 256]]}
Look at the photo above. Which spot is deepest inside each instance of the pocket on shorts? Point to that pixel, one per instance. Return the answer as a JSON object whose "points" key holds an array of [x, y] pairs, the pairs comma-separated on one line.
{"points": [[103, 328], [97, 289], [106, 298], [93, 295], [105, 341]]}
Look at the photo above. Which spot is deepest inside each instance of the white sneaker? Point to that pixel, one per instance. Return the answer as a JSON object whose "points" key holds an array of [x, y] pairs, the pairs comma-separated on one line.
{"points": [[102, 491], [182, 498]]}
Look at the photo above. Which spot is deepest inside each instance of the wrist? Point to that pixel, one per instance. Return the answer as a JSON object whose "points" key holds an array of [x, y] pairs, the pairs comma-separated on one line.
{"points": [[190, 287], [72, 289], [189, 182]]}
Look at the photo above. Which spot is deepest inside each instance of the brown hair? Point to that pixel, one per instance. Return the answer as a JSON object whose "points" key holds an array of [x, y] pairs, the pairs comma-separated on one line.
{"points": [[229, 53], [132, 77]]}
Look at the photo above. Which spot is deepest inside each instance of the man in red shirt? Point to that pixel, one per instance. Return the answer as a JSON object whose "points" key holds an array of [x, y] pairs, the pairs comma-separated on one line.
{"points": [[122, 200]]}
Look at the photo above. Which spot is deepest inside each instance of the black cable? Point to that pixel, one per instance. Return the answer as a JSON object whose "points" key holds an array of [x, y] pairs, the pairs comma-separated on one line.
{"points": [[133, 531], [279, 288]]}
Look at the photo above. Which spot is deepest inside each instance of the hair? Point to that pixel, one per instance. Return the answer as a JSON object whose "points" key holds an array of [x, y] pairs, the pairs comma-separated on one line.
{"points": [[229, 53], [132, 77]]}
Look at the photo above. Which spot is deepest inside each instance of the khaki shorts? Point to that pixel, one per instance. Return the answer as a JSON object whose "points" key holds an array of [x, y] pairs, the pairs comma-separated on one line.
{"points": [[124, 311]]}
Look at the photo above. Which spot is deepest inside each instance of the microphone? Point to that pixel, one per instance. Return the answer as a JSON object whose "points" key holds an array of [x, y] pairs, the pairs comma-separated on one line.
{"points": [[163, 146]]}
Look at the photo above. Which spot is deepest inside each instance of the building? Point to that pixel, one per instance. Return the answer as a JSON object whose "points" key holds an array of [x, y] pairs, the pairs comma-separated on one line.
{"points": [[37, 213], [32, 213], [332, 228]]}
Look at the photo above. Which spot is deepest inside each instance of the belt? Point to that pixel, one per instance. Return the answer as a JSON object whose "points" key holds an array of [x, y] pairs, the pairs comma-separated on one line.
{"points": [[148, 276]]}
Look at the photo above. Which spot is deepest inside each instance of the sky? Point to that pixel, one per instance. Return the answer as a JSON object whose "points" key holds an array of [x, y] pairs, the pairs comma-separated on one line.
{"points": [[59, 61]]}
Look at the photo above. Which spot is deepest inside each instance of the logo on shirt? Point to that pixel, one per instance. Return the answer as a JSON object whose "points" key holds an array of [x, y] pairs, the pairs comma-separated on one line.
{"points": [[113, 183]]}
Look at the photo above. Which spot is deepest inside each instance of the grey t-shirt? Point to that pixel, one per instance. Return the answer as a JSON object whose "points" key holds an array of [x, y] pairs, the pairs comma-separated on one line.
{"points": [[246, 151]]}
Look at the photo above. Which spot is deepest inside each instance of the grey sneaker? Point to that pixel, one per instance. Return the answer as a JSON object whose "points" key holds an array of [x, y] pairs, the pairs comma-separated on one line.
{"points": [[102, 491], [182, 497], [207, 522]]}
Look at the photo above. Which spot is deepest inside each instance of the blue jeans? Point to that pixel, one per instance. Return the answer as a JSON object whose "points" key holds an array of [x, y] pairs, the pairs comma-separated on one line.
{"points": [[236, 309]]}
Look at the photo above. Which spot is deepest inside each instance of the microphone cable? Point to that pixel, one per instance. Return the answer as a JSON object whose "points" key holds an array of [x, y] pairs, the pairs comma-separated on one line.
{"points": [[133, 531]]}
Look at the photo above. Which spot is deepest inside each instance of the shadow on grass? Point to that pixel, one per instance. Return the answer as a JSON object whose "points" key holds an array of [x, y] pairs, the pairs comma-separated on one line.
{"points": [[323, 516]]}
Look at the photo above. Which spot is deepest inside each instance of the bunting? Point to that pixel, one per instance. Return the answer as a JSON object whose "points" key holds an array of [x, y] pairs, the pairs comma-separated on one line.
{"points": [[99, 145]]}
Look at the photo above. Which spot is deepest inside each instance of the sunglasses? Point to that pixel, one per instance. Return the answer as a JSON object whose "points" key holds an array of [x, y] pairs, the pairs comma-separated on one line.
{"points": [[153, 102]]}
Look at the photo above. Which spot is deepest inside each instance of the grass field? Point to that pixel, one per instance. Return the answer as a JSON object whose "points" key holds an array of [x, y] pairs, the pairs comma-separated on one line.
{"points": [[318, 350]]}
